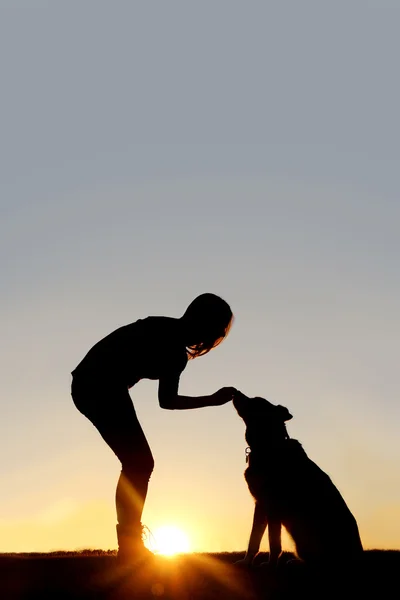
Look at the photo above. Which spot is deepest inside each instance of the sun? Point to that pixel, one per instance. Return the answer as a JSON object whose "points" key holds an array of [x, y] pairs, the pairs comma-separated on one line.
{"points": [[170, 540]]}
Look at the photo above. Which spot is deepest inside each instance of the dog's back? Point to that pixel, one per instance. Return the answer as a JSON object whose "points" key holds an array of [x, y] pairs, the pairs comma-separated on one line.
{"points": [[313, 511]]}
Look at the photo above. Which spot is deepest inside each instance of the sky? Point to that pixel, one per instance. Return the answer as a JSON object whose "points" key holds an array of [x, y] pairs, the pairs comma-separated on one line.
{"points": [[153, 151]]}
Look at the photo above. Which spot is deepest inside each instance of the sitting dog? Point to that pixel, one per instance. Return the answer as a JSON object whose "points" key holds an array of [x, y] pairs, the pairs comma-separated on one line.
{"points": [[289, 489]]}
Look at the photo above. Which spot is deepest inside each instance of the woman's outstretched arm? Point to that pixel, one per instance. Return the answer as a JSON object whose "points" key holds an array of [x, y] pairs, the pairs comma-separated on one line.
{"points": [[169, 398]]}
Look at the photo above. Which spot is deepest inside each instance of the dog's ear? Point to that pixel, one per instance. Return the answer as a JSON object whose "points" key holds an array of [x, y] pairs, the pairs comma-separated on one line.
{"points": [[283, 413]]}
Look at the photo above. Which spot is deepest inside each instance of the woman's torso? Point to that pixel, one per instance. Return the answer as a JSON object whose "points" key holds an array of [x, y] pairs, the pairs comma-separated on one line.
{"points": [[145, 349]]}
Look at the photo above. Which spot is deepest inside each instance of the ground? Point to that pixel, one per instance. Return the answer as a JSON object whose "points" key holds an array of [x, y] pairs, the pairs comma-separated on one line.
{"points": [[94, 575]]}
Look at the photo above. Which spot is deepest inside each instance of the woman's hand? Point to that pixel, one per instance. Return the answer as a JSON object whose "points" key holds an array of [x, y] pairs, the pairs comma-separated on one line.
{"points": [[224, 395]]}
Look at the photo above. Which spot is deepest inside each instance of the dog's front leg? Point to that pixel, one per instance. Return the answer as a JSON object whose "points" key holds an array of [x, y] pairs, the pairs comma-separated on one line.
{"points": [[275, 542], [260, 522]]}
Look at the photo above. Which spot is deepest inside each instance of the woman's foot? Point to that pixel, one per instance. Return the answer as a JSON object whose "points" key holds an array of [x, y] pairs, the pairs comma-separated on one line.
{"points": [[134, 557], [131, 550]]}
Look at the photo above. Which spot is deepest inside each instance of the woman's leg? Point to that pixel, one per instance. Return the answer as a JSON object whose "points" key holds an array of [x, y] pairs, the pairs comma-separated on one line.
{"points": [[112, 413]]}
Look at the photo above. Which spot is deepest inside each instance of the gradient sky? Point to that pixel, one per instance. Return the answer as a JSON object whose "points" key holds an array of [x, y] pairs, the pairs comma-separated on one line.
{"points": [[151, 151]]}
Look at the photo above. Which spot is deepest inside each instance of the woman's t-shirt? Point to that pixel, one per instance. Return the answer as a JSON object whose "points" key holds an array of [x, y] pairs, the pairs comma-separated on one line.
{"points": [[150, 348]]}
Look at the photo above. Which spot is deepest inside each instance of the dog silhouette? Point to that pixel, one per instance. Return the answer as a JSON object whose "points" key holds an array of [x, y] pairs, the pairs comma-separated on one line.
{"points": [[290, 490]]}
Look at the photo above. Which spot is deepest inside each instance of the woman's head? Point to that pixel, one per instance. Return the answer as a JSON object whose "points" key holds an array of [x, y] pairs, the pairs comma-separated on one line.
{"points": [[207, 321]]}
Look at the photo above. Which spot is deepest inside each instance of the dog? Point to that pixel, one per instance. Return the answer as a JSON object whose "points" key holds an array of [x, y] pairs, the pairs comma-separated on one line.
{"points": [[290, 490]]}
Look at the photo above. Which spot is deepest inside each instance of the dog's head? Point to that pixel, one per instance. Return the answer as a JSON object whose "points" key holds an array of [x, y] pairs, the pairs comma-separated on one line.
{"points": [[262, 418]]}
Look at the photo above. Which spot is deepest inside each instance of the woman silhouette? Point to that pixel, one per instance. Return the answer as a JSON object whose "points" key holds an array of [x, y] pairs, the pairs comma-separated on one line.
{"points": [[151, 348]]}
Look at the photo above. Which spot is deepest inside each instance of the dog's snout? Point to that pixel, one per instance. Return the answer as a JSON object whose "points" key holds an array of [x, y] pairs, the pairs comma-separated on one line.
{"points": [[239, 400], [240, 395]]}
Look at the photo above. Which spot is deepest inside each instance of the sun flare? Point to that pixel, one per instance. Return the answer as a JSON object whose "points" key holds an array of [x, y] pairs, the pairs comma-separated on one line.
{"points": [[170, 540]]}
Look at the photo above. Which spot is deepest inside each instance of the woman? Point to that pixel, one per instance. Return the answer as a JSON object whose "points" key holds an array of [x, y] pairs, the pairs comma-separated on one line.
{"points": [[152, 348]]}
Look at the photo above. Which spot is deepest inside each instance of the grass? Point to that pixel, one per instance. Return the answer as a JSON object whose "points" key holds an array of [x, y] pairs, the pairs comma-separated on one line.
{"points": [[94, 575]]}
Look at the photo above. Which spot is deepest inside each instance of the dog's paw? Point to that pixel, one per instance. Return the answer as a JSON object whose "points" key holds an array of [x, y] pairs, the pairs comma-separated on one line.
{"points": [[244, 563], [269, 566]]}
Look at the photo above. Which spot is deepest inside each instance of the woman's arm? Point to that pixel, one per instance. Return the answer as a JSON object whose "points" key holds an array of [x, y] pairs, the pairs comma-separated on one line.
{"points": [[169, 398]]}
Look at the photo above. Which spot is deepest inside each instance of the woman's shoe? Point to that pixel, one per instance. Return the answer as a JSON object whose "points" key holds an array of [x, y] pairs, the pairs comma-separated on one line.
{"points": [[131, 549]]}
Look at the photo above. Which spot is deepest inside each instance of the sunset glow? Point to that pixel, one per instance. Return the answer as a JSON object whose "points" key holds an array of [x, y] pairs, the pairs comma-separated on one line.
{"points": [[148, 169], [170, 540]]}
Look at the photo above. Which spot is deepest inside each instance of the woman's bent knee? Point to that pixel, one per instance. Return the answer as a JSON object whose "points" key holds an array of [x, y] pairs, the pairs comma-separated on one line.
{"points": [[138, 469], [148, 465]]}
